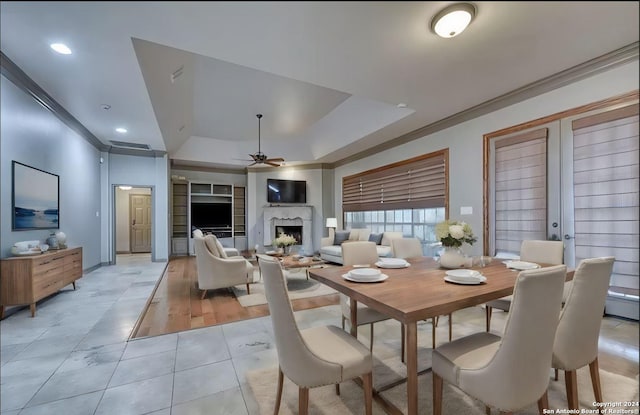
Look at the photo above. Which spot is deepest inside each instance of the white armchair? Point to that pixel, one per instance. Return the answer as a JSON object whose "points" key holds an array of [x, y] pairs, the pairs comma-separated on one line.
{"points": [[215, 271]]}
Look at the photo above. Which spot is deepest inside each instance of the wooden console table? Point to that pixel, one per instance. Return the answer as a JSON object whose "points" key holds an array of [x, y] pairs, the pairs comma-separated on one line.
{"points": [[28, 279]]}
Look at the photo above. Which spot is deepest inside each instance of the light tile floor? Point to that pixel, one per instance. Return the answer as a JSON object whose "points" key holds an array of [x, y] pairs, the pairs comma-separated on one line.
{"points": [[73, 358]]}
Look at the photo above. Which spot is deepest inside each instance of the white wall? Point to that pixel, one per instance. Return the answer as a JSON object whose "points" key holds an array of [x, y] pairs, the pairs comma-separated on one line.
{"points": [[123, 216], [257, 200], [465, 141], [32, 135]]}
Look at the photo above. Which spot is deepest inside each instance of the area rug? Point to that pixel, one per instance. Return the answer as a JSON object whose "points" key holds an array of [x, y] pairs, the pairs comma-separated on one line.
{"points": [[297, 283], [324, 401]]}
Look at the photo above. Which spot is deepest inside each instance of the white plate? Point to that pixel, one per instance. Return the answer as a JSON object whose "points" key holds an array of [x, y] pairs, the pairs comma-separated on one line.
{"points": [[392, 265], [364, 273], [380, 277], [522, 265], [394, 261], [462, 273], [466, 281]]}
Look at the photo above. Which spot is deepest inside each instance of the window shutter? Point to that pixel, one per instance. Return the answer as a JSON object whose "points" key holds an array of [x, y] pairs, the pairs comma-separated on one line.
{"points": [[605, 174], [520, 190], [420, 182]]}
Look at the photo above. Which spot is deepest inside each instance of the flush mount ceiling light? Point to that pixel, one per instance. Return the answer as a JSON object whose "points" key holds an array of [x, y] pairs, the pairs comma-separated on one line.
{"points": [[121, 130], [61, 48], [452, 20]]}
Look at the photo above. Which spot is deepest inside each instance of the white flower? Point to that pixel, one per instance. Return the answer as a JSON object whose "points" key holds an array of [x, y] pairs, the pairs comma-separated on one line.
{"points": [[456, 231]]}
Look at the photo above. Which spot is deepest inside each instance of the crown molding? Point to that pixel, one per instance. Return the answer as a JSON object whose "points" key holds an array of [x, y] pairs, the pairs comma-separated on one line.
{"points": [[12, 72], [584, 70]]}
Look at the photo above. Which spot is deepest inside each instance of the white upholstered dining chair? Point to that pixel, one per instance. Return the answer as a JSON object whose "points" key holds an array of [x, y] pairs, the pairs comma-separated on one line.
{"points": [[411, 248], [362, 253], [512, 372], [315, 356], [576, 341], [539, 252]]}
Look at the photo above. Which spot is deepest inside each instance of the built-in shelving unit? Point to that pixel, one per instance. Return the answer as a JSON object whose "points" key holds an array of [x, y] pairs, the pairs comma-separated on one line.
{"points": [[211, 210], [239, 214], [179, 218]]}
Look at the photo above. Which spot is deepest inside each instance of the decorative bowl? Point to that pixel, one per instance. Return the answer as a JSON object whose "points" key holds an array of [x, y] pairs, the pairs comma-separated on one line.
{"points": [[44, 248]]}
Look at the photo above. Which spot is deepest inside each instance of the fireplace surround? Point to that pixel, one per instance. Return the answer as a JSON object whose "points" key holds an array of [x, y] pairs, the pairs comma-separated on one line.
{"points": [[286, 216]]}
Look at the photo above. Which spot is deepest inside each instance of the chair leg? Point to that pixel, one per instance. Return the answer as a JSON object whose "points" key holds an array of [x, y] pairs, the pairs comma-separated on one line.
{"points": [[279, 393], [543, 403], [248, 289], [437, 394], [367, 386], [204, 293], [450, 326], [487, 315], [338, 389], [371, 339], [555, 375], [595, 380], [487, 410], [433, 332], [303, 401], [402, 340], [343, 319], [571, 382]]}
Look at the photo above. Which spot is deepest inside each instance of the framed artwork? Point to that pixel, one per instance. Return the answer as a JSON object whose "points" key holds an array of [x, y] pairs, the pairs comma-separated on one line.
{"points": [[35, 198]]}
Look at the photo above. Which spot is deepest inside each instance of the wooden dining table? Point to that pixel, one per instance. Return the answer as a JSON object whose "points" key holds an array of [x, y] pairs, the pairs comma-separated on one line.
{"points": [[416, 293]]}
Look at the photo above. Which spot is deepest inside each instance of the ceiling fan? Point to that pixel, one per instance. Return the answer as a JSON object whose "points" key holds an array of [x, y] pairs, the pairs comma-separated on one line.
{"points": [[260, 157]]}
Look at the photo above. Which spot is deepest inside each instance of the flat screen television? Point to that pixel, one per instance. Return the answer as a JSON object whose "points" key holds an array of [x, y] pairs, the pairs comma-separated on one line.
{"points": [[286, 191], [210, 215]]}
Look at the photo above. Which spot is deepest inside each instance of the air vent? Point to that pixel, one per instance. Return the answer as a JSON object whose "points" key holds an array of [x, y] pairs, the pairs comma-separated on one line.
{"points": [[124, 144]]}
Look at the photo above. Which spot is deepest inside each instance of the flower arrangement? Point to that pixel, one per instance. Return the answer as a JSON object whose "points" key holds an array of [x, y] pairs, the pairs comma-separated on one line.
{"points": [[284, 240], [454, 233]]}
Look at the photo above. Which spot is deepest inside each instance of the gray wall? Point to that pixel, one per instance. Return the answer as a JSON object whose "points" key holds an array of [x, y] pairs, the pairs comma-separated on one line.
{"points": [[150, 172], [465, 141], [257, 200], [32, 135]]}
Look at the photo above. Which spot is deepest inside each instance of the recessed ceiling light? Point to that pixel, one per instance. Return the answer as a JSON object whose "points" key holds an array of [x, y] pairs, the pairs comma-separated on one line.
{"points": [[105, 107], [121, 130], [402, 105], [61, 48]]}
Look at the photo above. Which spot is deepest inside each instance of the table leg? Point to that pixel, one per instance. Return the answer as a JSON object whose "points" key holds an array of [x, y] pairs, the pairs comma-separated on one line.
{"points": [[353, 307], [412, 368]]}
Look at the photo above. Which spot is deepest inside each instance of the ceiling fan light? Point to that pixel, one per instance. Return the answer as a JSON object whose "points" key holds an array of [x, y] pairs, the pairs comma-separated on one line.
{"points": [[453, 20]]}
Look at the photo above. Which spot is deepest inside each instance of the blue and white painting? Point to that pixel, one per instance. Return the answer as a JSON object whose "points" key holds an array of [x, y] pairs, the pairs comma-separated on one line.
{"points": [[35, 198]]}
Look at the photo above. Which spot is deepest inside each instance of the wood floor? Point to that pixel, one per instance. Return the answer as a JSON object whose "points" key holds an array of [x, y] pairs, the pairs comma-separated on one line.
{"points": [[176, 303]]}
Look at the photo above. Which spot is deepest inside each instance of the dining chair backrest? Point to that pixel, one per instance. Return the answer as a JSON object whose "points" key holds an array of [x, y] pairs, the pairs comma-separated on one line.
{"points": [[359, 252], [576, 342], [296, 360], [545, 252], [519, 371], [406, 247]]}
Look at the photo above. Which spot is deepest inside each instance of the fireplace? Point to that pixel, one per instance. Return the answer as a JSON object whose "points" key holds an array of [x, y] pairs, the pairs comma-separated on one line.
{"points": [[295, 231], [294, 219]]}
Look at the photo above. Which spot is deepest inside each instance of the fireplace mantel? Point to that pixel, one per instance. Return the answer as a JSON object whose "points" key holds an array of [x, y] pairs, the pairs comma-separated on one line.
{"points": [[304, 213]]}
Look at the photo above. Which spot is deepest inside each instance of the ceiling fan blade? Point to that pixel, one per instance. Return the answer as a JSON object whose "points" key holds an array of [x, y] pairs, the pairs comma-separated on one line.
{"points": [[255, 162], [271, 164], [276, 159], [254, 157]]}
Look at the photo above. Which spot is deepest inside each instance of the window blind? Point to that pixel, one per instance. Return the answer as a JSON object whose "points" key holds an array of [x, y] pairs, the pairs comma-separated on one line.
{"points": [[520, 190], [605, 174], [420, 182]]}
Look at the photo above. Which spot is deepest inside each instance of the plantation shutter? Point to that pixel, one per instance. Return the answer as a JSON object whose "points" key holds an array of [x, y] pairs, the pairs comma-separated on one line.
{"points": [[605, 174], [420, 182], [520, 190]]}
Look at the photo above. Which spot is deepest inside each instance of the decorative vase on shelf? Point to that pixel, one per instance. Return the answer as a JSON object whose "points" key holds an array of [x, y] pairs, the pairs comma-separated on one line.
{"points": [[452, 258]]}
